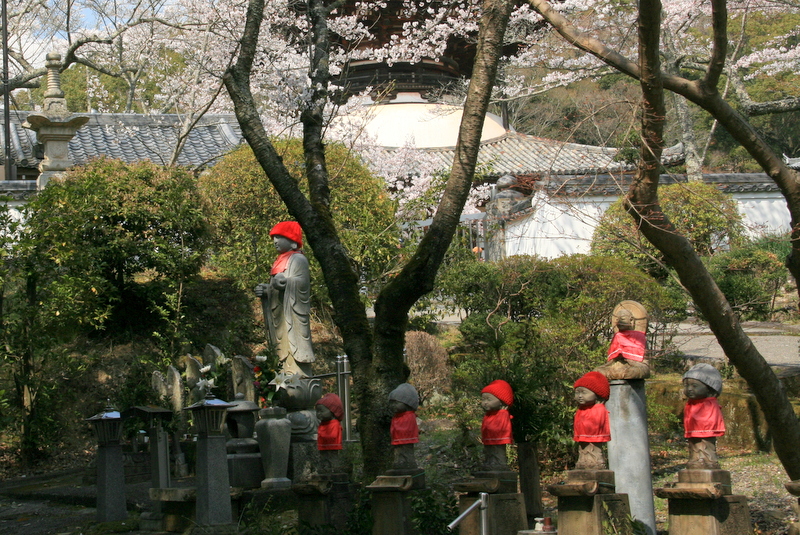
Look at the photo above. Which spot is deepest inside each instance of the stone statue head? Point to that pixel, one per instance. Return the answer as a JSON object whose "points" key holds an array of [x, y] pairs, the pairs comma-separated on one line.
{"points": [[329, 407], [702, 381], [591, 387], [289, 232], [496, 395], [404, 398]]}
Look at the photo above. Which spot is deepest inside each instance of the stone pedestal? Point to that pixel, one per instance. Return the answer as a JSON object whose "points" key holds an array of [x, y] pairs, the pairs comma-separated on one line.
{"points": [[505, 507], [274, 433], [629, 449], [505, 514], [245, 468], [701, 503], [111, 505], [159, 456], [213, 486], [324, 500], [588, 504], [587, 515], [391, 505]]}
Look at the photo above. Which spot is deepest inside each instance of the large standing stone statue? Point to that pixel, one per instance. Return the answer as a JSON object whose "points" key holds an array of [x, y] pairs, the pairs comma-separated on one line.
{"points": [[702, 416], [286, 300], [591, 426]]}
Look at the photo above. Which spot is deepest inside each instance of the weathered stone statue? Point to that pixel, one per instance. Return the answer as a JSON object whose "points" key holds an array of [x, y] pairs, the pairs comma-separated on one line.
{"points": [[496, 397], [591, 426], [627, 350], [702, 416], [404, 401], [329, 433], [286, 300]]}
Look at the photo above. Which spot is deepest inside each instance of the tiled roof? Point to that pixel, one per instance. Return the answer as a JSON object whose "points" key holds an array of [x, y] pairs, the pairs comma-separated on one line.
{"points": [[521, 154], [134, 137], [609, 185]]}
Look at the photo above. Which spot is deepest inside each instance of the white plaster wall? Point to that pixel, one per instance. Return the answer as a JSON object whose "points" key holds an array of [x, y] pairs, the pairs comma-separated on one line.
{"points": [[558, 227], [764, 213]]}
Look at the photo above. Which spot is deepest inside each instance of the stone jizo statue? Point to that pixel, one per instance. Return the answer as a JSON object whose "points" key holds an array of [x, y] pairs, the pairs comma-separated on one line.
{"points": [[404, 401], [702, 416], [496, 397], [591, 426], [286, 300], [329, 411], [626, 354]]}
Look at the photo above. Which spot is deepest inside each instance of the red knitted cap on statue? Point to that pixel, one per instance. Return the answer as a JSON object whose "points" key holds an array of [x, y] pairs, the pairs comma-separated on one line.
{"points": [[333, 403], [288, 229], [596, 382], [501, 390]]}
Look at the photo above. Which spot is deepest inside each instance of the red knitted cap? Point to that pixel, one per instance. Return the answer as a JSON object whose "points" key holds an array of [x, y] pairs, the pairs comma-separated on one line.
{"points": [[596, 382], [501, 390], [333, 403], [288, 229]]}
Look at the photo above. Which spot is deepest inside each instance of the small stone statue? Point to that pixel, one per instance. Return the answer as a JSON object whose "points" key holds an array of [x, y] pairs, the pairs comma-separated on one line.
{"points": [[591, 427], [496, 397], [330, 411], [286, 300], [404, 401], [702, 416], [627, 350]]}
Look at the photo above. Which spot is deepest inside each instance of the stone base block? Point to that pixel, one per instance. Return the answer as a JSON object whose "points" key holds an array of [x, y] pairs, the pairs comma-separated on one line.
{"points": [[326, 509], [506, 514], [507, 479], [391, 513], [245, 470], [303, 460], [728, 515], [585, 515]]}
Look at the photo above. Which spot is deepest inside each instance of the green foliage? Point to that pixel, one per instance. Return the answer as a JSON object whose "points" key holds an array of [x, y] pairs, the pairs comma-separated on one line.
{"points": [[242, 207], [103, 225], [433, 509], [752, 276], [708, 218], [540, 325]]}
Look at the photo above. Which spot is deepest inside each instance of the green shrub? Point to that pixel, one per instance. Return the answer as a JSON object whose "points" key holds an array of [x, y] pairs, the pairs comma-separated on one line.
{"points": [[752, 276], [708, 218]]}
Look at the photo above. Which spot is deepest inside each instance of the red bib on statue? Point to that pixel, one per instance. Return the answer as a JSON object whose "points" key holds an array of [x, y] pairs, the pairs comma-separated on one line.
{"points": [[496, 428], [702, 418], [591, 424], [404, 428], [628, 344]]}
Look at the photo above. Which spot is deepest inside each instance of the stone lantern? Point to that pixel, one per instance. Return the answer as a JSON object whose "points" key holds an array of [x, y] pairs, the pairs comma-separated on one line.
{"points": [[107, 427], [213, 488], [244, 458]]}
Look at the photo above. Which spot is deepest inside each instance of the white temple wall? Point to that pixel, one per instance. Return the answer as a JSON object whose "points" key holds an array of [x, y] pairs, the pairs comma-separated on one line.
{"points": [[558, 226]]}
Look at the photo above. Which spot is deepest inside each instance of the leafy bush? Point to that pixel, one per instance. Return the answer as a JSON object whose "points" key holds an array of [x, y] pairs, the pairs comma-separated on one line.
{"points": [[708, 218], [428, 363], [752, 276]]}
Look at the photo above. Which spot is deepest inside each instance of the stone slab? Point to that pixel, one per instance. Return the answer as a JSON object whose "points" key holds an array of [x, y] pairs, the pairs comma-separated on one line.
{"points": [[728, 515], [586, 515], [506, 514]]}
